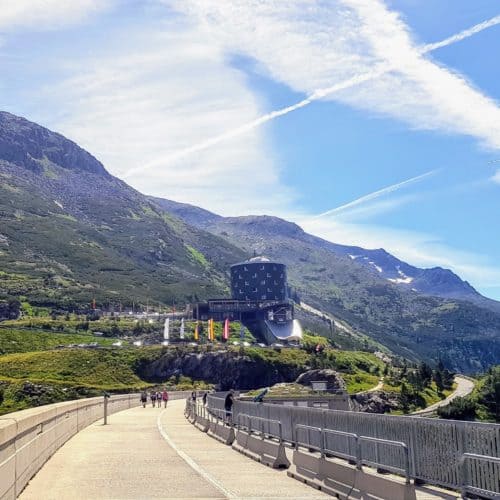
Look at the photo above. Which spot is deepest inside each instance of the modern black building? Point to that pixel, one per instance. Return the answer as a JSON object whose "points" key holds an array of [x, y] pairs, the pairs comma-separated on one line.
{"points": [[259, 279], [259, 299]]}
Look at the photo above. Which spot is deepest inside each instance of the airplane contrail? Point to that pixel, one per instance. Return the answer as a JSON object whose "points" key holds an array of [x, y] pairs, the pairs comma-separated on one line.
{"points": [[377, 194], [318, 94], [462, 34]]}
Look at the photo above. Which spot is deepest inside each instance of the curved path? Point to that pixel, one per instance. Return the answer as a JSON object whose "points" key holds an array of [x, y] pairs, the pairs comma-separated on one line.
{"points": [[151, 453], [464, 387]]}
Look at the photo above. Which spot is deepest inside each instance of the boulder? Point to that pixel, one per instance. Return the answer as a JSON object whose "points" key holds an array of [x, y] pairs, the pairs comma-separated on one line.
{"points": [[334, 382], [375, 402]]}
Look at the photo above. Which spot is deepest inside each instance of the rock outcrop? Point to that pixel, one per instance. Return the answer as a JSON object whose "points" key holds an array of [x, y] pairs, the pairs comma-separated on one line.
{"points": [[375, 402], [334, 382], [225, 369]]}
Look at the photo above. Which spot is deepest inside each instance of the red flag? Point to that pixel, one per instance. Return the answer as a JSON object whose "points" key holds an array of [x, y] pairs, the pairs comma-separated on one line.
{"points": [[226, 330]]}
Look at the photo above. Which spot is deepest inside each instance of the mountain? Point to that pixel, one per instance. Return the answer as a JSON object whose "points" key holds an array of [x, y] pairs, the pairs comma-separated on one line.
{"points": [[435, 281], [70, 231], [339, 280]]}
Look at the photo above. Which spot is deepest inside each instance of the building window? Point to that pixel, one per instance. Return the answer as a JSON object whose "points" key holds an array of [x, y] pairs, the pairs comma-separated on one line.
{"points": [[264, 297], [245, 268], [246, 283], [268, 275], [254, 290], [254, 275], [281, 275], [263, 282], [262, 268]]}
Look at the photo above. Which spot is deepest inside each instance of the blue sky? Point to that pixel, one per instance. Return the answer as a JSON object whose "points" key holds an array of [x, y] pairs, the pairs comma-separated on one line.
{"points": [[176, 96]]}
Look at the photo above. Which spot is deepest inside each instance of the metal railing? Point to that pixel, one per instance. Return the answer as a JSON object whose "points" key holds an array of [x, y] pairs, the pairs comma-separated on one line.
{"points": [[354, 451], [434, 447], [264, 426], [480, 475]]}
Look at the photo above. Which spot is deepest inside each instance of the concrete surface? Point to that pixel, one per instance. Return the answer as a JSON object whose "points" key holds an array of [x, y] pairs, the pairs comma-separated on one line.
{"points": [[152, 453]]}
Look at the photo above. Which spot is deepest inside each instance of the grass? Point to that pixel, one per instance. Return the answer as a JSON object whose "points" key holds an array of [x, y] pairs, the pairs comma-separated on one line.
{"points": [[359, 382], [198, 257], [19, 341], [100, 368]]}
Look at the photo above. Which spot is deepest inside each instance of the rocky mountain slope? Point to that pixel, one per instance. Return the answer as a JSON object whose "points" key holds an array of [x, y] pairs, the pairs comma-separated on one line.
{"points": [[434, 281], [339, 280], [70, 231]]}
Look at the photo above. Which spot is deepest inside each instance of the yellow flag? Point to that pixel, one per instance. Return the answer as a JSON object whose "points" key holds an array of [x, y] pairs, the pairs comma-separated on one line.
{"points": [[196, 335], [212, 333]]}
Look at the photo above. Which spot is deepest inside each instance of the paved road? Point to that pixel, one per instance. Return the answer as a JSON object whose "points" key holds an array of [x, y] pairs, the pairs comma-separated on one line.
{"points": [[151, 453], [464, 388]]}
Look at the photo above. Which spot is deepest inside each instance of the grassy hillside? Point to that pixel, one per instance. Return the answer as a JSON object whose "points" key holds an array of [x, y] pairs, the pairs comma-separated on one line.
{"points": [[35, 369], [18, 341], [71, 232]]}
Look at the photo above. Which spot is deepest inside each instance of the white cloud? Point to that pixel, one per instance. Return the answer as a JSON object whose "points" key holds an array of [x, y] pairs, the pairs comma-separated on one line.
{"points": [[496, 177], [309, 45], [47, 14], [161, 93]]}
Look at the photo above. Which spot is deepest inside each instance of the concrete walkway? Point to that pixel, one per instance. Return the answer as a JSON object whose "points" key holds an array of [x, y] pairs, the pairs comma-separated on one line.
{"points": [[151, 453]]}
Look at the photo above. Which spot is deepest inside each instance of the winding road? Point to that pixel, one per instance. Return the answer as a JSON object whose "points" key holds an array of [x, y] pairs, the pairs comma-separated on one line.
{"points": [[464, 387]]}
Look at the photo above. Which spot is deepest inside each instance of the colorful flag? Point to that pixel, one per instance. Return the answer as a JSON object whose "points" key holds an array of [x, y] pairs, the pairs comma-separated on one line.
{"points": [[225, 334], [196, 332], [181, 332], [211, 331]]}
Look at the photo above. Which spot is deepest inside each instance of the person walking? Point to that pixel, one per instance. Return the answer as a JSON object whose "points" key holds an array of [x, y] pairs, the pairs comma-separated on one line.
{"points": [[158, 399], [193, 396], [144, 398], [205, 394], [228, 405], [164, 397], [153, 398]]}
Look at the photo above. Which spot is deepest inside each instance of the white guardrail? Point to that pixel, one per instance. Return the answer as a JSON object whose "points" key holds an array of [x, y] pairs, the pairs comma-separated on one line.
{"points": [[28, 438], [448, 453]]}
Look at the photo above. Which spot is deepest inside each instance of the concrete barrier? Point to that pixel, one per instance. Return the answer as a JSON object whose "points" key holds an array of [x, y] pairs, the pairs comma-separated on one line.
{"points": [[28, 438], [202, 420], [268, 452], [339, 478], [221, 431]]}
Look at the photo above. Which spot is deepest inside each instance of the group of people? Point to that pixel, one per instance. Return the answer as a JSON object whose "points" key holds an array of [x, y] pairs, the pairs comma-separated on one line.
{"points": [[156, 397], [204, 397]]}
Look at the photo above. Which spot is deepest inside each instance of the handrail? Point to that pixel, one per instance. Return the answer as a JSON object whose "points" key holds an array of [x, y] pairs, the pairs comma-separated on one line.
{"points": [[358, 440], [467, 488], [347, 456], [259, 419], [220, 414], [298, 427], [388, 442]]}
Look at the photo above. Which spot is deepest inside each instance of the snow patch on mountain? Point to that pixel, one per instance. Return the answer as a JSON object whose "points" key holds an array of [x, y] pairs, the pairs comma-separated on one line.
{"points": [[403, 278]]}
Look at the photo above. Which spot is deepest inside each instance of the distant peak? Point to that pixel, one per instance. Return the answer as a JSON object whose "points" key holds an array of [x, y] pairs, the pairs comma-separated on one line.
{"points": [[27, 144]]}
